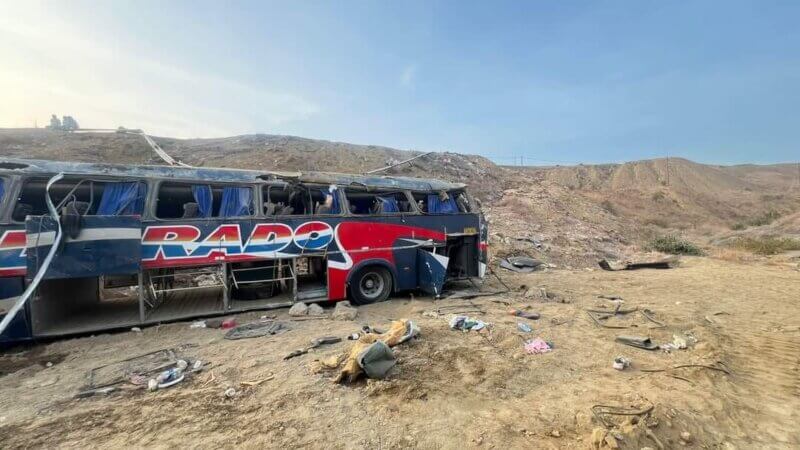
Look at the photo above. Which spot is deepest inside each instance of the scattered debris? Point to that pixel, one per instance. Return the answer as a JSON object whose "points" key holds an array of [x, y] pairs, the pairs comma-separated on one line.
{"points": [[198, 324], [601, 413], [597, 315], [686, 437], [228, 324], [642, 342], [667, 263], [377, 359], [524, 314], [136, 330], [344, 311], [524, 327], [621, 363], [229, 393], [257, 329], [314, 344], [521, 264], [257, 382], [537, 346], [465, 323]]}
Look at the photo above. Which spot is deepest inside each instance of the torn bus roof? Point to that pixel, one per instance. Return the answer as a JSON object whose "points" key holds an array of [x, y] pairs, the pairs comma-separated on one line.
{"points": [[223, 175]]}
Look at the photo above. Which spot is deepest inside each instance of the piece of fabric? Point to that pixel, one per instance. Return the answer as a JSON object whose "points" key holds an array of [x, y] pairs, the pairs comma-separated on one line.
{"points": [[204, 199], [122, 199], [377, 360], [437, 206], [2, 189], [389, 204], [537, 346], [465, 323], [236, 202], [335, 208]]}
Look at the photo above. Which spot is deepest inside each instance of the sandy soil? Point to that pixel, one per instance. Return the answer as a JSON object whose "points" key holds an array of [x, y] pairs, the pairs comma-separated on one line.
{"points": [[452, 389]]}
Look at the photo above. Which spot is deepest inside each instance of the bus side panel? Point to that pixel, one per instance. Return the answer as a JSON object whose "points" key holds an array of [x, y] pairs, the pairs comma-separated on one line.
{"points": [[19, 328], [12, 252], [376, 240]]}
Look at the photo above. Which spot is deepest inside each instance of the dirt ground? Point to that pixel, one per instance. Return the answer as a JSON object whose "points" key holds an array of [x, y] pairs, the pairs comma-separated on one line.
{"points": [[453, 389]]}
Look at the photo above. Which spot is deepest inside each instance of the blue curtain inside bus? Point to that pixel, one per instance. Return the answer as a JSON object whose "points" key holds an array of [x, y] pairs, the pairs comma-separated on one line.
{"points": [[236, 201], [335, 209], [204, 199], [389, 204], [442, 207], [122, 199], [2, 189]]}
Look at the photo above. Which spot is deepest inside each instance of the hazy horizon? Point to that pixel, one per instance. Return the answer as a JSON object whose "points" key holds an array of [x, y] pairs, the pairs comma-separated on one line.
{"points": [[714, 82]]}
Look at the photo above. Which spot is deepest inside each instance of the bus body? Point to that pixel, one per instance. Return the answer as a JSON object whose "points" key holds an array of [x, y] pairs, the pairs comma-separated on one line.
{"points": [[150, 244]]}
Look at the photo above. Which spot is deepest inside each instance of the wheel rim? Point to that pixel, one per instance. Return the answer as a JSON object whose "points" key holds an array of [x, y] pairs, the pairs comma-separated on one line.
{"points": [[371, 285]]}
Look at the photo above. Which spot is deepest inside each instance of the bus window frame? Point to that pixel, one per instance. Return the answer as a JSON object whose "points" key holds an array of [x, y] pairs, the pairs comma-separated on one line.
{"points": [[153, 204], [409, 198], [463, 190], [22, 180]]}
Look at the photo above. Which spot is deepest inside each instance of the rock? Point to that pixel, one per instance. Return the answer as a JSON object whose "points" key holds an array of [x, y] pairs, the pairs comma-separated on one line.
{"points": [[611, 441], [136, 330], [555, 433], [315, 310], [343, 311], [686, 436], [298, 309], [330, 362], [49, 364]]}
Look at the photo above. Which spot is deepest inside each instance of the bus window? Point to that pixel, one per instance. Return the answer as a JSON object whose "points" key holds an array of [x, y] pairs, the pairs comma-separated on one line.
{"points": [[362, 202], [81, 197], [282, 200], [189, 201], [325, 200], [442, 202]]}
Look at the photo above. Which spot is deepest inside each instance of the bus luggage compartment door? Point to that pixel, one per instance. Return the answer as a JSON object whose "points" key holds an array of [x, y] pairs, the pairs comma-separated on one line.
{"points": [[105, 245]]}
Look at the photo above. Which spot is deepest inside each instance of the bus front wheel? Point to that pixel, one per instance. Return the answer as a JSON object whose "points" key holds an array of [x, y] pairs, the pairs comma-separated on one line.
{"points": [[371, 284]]}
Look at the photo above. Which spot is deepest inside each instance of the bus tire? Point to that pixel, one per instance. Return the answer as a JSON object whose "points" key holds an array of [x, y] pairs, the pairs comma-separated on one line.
{"points": [[371, 284]]}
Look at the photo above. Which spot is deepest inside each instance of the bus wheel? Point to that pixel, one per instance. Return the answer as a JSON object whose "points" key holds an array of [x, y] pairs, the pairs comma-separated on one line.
{"points": [[371, 284]]}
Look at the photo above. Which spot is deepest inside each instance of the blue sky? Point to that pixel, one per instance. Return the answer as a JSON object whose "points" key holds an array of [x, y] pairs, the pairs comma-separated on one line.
{"points": [[599, 81]]}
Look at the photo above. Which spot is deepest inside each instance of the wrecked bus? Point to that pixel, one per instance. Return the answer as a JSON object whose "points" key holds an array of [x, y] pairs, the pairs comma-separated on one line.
{"points": [[138, 245]]}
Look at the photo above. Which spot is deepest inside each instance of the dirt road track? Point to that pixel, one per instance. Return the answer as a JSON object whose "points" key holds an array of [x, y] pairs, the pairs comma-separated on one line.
{"points": [[452, 389]]}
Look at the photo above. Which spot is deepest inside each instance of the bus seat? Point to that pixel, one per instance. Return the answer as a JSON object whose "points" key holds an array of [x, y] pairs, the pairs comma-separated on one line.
{"points": [[71, 217], [22, 210], [76, 208], [190, 210]]}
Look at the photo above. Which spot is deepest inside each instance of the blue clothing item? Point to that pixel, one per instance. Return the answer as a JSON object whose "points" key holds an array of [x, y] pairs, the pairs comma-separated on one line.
{"points": [[2, 189], [236, 202], [389, 204], [204, 199], [335, 209], [122, 199], [436, 206]]}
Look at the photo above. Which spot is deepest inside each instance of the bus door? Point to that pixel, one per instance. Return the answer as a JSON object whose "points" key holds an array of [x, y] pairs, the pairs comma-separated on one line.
{"points": [[91, 247], [431, 271]]}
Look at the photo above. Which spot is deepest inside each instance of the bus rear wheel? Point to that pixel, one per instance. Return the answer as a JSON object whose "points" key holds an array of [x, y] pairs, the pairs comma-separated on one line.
{"points": [[371, 284]]}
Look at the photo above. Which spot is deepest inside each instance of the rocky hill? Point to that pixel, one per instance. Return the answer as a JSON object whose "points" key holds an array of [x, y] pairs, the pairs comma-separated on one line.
{"points": [[577, 214]]}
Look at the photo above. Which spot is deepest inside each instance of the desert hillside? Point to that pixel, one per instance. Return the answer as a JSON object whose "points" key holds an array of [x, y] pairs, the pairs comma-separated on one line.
{"points": [[576, 214]]}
